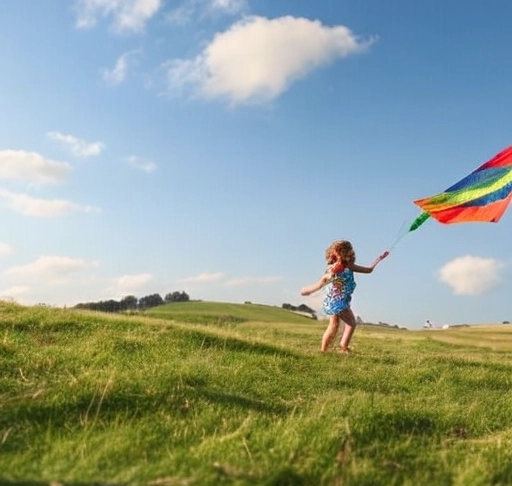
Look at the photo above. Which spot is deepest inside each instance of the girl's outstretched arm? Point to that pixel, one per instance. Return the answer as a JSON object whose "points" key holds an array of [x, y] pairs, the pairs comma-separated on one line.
{"points": [[310, 289], [361, 269], [379, 259]]}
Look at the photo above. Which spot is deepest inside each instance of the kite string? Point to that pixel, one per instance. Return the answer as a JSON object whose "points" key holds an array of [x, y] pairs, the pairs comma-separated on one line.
{"points": [[408, 227], [401, 233]]}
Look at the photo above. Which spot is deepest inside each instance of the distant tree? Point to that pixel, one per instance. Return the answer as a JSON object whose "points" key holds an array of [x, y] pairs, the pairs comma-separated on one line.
{"points": [[305, 308], [177, 297], [111, 305], [301, 308], [129, 302], [150, 301], [102, 306]]}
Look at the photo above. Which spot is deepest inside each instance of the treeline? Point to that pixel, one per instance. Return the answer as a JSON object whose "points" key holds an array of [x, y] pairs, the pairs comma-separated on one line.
{"points": [[300, 308], [132, 303]]}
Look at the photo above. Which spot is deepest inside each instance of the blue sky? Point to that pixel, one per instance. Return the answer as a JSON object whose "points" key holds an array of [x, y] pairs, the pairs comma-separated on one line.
{"points": [[218, 146]]}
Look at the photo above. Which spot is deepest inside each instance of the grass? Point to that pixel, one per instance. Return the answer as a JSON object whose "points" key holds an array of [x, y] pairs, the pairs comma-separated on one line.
{"points": [[224, 313], [209, 393]]}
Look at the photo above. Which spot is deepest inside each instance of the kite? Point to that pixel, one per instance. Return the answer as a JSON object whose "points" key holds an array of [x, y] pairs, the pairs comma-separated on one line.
{"points": [[482, 195]]}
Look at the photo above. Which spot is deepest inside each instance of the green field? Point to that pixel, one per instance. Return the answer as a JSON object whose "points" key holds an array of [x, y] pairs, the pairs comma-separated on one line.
{"points": [[223, 394]]}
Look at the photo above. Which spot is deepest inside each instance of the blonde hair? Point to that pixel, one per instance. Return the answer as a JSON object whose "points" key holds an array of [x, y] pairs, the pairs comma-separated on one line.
{"points": [[340, 250]]}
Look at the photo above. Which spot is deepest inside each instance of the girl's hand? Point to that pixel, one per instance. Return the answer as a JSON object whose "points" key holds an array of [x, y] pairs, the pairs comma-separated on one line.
{"points": [[379, 259]]}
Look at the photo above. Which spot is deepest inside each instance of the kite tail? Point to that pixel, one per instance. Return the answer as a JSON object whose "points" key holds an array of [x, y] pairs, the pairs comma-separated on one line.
{"points": [[418, 221], [414, 226]]}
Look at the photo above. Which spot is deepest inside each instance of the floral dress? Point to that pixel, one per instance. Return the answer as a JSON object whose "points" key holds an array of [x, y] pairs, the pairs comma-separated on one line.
{"points": [[339, 292]]}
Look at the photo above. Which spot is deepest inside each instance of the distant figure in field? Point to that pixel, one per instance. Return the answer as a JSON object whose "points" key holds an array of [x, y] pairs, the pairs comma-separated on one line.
{"points": [[339, 279], [427, 325]]}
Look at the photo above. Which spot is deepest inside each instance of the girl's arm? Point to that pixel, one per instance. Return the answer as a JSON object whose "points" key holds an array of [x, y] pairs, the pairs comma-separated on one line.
{"points": [[310, 289], [361, 269]]}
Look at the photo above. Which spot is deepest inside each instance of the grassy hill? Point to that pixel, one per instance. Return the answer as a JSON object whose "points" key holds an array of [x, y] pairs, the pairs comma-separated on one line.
{"points": [[224, 313], [191, 394]]}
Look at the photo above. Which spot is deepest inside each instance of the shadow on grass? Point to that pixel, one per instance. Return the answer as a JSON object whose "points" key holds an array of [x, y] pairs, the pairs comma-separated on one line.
{"points": [[7, 482], [502, 475], [286, 476], [205, 319], [385, 426], [89, 409], [239, 401], [209, 341]]}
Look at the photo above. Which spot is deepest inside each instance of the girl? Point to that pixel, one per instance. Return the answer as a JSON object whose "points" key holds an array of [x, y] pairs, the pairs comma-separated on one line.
{"points": [[339, 276]]}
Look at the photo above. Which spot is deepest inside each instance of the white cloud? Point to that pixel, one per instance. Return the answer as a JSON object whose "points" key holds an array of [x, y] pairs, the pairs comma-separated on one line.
{"points": [[31, 167], [201, 9], [203, 278], [14, 292], [51, 279], [128, 15], [257, 59], [181, 15], [118, 73], [31, 206], [228, 6], [5, 249], [470, 275], [130, 283], [244, 281], [78, 147], [139, 163], [48, 268]]}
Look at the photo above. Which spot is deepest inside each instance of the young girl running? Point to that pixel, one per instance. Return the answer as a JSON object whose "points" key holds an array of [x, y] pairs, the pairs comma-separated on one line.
{"points": [[339, 277]]}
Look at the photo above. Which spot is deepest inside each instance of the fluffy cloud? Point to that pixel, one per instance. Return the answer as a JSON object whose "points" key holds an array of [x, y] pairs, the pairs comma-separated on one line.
{"points": [[470, 275], [257, 59], [50, 279], [118, 73], [130, 283], [14, 292], [180, 15], [31, 167], [78, 147], [31, 206], [128, 15], [143, 164], [229, 6], [5, 249], [244, 281], [200, 9], [48, 268], [203, 278]]}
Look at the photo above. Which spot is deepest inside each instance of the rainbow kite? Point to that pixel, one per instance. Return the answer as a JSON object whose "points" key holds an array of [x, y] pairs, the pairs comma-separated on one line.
{"points": [[483, 195]]}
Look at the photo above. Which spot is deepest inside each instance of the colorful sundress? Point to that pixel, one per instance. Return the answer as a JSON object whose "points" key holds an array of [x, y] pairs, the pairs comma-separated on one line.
{"points": [[339, 292]]}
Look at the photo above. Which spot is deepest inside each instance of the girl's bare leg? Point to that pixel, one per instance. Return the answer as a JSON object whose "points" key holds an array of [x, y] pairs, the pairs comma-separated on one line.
{"points": [[350, 326], [330, 332]]}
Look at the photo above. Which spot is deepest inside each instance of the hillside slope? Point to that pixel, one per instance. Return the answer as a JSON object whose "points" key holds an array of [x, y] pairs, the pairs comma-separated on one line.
{"points": [[91, 398]]}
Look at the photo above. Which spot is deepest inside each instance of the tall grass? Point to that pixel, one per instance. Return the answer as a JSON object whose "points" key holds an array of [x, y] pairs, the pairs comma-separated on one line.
{"points": [[87, 398]]}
